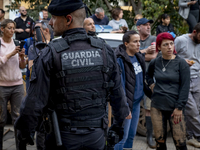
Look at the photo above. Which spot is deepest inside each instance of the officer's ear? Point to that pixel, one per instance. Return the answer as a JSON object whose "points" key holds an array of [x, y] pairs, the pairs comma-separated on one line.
{"points": [[69, 19]]}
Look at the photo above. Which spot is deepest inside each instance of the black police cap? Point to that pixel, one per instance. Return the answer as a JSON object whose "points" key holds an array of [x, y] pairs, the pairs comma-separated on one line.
{"points": [[64, 7]]}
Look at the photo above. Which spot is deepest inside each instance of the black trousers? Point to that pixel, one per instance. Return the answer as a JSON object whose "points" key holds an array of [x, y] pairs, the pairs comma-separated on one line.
{"points": [[159, 120], [78, 139]]}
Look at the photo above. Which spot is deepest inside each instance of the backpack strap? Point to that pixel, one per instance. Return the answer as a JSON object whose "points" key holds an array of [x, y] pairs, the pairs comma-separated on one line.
{"points": [[59, 45]]}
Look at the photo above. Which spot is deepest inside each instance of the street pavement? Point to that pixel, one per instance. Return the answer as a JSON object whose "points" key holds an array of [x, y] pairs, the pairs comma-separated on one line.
{"points": [[138, 144]]}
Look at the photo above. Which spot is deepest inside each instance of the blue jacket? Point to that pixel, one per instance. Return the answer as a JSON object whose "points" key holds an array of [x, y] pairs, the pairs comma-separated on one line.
{"points": [[128, 73]]}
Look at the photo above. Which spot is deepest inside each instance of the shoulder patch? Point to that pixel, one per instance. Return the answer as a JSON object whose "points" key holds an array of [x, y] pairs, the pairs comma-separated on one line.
{"points": [[98, 43], [59, 45]]}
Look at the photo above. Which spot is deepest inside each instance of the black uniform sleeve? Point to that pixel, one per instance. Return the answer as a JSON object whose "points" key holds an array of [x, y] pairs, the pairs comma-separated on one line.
{"points": [[150, 72], [37, 94], [184, 85], [118, 101]]}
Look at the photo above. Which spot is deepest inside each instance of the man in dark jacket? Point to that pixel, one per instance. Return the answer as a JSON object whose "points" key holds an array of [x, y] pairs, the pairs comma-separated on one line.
{"points": [[73, 77]]}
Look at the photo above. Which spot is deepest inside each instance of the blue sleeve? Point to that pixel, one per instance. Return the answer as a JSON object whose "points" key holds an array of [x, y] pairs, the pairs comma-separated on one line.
{"points": [[32, 53], [107, 20], [26, 47], [121, 64]]}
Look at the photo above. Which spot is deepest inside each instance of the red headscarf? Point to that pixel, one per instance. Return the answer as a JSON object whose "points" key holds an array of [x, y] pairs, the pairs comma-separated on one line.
{"points": [[164, 36]]}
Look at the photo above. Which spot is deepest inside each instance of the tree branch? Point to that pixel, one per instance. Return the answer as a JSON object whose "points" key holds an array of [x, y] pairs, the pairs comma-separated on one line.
{"points": [[137, 8], [140, 7], [133, 5], [108, 5]]}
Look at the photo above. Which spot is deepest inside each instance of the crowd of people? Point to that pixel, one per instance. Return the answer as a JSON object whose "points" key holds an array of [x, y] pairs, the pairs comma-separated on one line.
{"points": [[162, 70]]}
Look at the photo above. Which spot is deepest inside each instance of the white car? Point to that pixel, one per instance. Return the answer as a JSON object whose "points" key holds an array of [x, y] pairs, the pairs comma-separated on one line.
{"points": [[112, 39]]}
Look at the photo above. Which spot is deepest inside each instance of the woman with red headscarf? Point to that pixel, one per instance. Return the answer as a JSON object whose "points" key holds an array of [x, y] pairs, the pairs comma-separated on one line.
{"points": [[169, 78]]}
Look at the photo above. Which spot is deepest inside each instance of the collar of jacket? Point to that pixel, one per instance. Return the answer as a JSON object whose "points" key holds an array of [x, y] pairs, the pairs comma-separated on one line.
{"points": [[91, 33], [121, 52], [74, 31]]}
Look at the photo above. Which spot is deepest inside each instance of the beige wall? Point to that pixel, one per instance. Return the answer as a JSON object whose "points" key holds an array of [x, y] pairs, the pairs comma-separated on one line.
{"points": [[6, 2], [1, 4]]}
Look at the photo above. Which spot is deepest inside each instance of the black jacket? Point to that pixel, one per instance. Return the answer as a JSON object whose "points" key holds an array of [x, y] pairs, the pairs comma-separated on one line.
{"points": [[160, 28], [42, 87], [130, 74]]}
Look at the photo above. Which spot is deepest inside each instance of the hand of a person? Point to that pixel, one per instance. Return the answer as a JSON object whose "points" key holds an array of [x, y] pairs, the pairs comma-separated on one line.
{"points": [[117, 31], [118, 129], [192, 2], [129, 116], [25, 138], [177, 114], [152, 87], [15, 51], [20, 30], [151, 49], [21, 52], [189, 63], [120, 31], [27, 30]]}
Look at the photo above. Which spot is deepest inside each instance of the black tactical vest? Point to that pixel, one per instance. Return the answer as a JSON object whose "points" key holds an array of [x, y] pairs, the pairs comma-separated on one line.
{"points": [[81, 81]]}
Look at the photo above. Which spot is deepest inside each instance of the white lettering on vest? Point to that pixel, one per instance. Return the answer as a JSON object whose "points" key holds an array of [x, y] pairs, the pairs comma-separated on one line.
{"points": [[82, 58]]}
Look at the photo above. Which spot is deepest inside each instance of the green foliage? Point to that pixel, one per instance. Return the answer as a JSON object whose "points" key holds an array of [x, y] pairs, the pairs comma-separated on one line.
{"points": [[151, 9], [129, 17], [35, 6], [93, 4]]}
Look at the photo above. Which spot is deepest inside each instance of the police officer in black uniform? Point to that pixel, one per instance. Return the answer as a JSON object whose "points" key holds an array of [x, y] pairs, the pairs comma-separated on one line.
{"points": [[74, 75]]}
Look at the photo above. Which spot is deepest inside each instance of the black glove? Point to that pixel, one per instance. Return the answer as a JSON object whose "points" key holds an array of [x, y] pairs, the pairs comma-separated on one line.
{"points": [[115, 134], [25, 138]]}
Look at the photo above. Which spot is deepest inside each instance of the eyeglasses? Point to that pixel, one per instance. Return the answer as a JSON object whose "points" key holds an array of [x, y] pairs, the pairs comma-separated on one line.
{"points": [[136, 19], [23, 10], [167, 44]]}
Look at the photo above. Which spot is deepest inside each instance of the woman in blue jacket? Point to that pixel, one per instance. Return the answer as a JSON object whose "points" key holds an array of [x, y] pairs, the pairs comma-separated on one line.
{"points": [[132, 64]]}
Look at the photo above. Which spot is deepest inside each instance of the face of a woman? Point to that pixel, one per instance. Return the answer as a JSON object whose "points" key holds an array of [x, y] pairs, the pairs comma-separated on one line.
{"points": [[134, 44], [121, 15], [167, 47], [9, 30]]}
